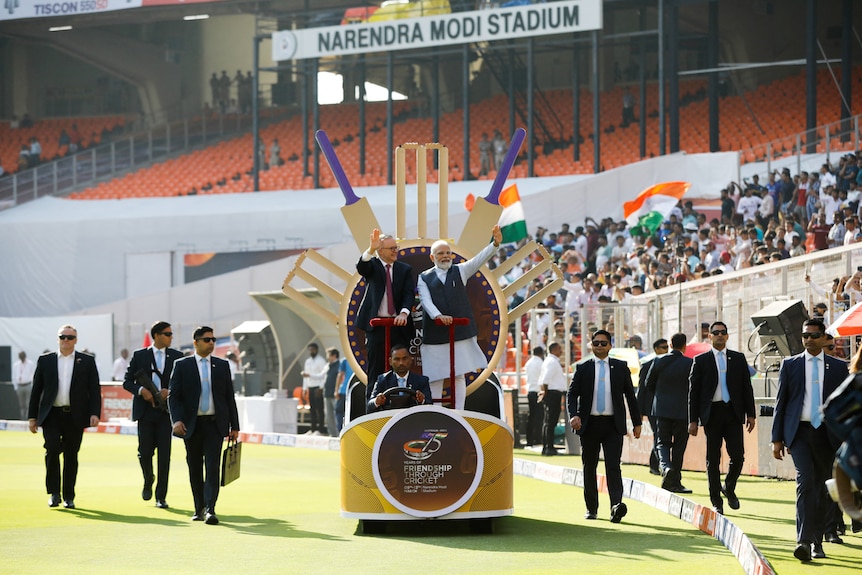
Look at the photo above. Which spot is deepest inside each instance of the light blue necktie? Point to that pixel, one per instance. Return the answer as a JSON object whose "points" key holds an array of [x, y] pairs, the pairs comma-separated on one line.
{"points": [[402, 382], [600, 389], [722, 377], [160, 365], [815, 392], [205, 386]]}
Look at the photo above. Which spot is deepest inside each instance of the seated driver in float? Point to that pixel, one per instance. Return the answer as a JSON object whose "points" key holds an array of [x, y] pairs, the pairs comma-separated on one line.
{"points": [[393, 388]]}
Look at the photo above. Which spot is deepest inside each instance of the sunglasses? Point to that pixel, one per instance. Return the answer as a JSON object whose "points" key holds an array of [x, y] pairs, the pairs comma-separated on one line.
{"points": [[68, 337], [167, 333], [812, 335], [207, 339], [600, 343], [719, 332]]}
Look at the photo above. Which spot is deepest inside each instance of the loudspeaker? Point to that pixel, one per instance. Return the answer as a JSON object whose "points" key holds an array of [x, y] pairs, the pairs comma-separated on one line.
{"points": [[5, 363], [782, 323]]}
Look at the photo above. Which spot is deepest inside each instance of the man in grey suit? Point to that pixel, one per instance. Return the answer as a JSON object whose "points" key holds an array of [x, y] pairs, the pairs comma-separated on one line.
{"points": [[203, 412], [66, 399], [667, 381], [804, 382]]}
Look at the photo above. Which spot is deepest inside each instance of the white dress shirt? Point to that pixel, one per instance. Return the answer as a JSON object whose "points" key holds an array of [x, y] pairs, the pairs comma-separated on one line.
{"points": [[208, 375], [806, 401], [65, 365], [22, 372], [609, 406], [552, 374], [533, 370]]}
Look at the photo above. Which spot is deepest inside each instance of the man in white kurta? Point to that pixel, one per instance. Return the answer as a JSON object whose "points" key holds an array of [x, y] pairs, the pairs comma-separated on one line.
{"points": [[443, 293]]}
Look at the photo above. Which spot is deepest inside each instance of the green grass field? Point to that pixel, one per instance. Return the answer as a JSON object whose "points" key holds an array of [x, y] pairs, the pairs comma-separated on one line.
{"points": [[282, 516]]}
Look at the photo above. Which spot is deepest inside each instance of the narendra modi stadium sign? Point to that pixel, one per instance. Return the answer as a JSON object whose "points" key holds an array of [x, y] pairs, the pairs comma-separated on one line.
{"points": [[429, 31]]}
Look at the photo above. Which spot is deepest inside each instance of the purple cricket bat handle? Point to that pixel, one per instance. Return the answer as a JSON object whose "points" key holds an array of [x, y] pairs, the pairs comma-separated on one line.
{"points": [[493, 196], [329, 153]]}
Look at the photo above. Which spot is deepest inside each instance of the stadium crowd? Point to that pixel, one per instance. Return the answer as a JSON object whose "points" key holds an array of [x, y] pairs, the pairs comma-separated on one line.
{"points": [[609, 261]]}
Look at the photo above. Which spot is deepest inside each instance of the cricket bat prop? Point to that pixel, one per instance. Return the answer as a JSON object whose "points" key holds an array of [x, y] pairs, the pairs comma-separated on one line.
{"points": [[356, 211]]}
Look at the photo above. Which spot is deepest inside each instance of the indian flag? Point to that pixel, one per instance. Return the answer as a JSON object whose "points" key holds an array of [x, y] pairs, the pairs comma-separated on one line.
{"points": [[654, 204], [512, 223]]}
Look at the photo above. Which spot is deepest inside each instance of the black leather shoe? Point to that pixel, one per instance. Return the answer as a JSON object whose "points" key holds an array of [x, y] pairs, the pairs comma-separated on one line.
{"points": [[832, 538], [161, 504], [147, 492], [54, 500], [211, 519], [670, 479], [732, 499], [618, 511], [589, 515], [681, 489], [718, 508], [817, 551], [803, 552], [654, 471], [69, 504], [856, 526], [198, 516]]}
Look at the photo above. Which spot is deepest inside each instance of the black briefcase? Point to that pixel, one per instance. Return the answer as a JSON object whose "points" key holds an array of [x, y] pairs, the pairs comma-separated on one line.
{"points": [[230, 462]]}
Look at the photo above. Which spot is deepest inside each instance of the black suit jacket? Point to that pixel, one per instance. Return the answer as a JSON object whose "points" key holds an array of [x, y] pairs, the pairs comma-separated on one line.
{"points": [[85, 394], [403, 289], [791, 393], [580, 396], [645, 396], [703, 380], [145, 359], [667, 381], [389, 380], [185, 395]]}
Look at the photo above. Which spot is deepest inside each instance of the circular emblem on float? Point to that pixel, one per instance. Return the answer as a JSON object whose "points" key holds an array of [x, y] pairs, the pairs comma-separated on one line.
{"points": [[427, 461]]}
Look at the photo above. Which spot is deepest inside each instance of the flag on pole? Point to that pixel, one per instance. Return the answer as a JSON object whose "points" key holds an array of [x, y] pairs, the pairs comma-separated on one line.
{"points": [[654, 204], [512, 223]]}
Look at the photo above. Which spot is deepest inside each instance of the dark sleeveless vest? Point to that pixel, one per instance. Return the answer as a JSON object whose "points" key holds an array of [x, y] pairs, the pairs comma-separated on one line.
{"points": [[450, 299]]}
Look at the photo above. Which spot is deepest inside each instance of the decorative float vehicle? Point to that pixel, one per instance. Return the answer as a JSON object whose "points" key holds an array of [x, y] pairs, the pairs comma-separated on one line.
{"points": [[428, 461]]}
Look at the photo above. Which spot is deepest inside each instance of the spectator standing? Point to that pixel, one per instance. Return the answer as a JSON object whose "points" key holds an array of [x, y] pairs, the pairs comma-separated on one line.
{"points": [[329, 389], [121, 364], [22, 381], [533, 371], [313, 377], [552, 382], [500, 147], [484, 155]]}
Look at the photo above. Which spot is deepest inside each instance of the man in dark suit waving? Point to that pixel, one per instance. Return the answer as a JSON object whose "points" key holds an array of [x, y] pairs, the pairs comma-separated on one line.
{"points": [[154, 423], [389, 292], [804, 383], [667, 382], [722, 399], [597, 399], [66, 399], [203, 412], [400, 376]]}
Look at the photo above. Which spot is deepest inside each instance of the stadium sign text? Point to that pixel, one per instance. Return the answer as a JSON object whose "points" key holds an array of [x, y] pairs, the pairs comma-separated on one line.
{"points": [[424, 32]]}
